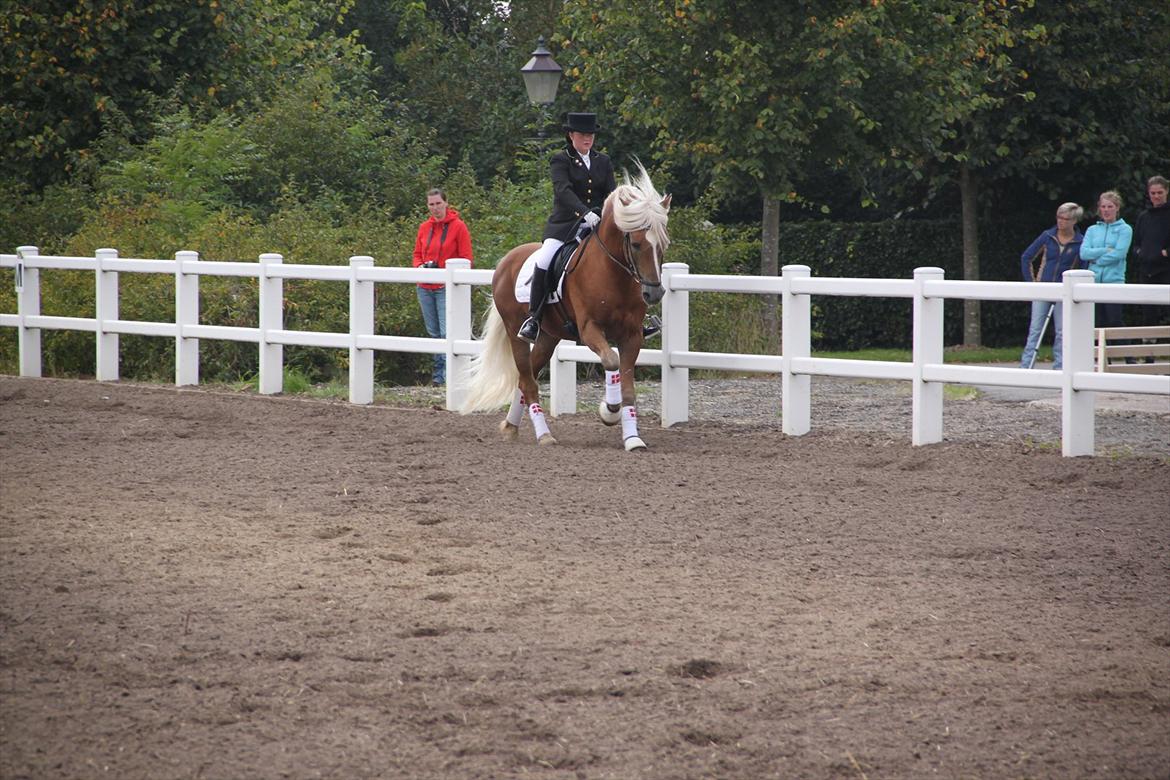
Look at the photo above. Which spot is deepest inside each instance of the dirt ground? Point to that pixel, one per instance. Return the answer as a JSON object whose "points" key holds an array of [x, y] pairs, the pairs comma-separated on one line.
{"points": [[202, 585]]}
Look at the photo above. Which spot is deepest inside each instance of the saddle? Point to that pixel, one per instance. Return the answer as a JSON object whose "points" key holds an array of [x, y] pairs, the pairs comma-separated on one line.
{"points": [[560, 262], [556, 271]]}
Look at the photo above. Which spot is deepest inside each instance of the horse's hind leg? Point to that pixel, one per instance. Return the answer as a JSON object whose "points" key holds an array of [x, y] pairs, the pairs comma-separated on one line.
{"points": [[510, 425], [530, 361]]}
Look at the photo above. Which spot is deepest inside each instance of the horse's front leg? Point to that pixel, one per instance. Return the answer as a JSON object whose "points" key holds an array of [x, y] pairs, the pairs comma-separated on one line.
{"points": [[631, 439], [593, 337]]}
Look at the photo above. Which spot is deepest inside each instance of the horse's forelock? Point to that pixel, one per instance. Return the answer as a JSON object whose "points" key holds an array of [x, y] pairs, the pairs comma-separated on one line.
{"points": [[638, 206]]}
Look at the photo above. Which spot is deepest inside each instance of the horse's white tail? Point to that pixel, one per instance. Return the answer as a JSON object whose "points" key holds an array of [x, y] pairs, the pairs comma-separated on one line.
{"points": [[493, 376]]}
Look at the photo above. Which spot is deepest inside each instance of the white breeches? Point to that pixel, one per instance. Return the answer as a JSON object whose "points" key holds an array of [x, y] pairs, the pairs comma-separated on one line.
{"points": [[544, 255]]}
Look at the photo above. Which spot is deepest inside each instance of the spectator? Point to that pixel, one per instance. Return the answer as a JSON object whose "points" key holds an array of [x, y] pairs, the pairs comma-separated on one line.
{"points": [[1056, 250], [1151, 248], [1104, 249], [441, 237]]}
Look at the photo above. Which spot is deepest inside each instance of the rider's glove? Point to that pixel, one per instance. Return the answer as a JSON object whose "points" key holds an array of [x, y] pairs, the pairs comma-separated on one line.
{"points": [[591, 219]]}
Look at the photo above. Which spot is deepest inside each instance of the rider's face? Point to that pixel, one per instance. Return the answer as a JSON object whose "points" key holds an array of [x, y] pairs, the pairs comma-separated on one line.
{"points": [[582, 142]]}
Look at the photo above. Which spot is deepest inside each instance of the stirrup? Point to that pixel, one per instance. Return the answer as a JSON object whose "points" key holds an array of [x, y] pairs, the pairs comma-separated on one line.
{"points": [[529, 331], [652, 327]]}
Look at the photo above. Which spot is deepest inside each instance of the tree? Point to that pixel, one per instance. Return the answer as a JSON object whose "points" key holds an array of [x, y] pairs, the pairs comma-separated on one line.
{"points": [[65, 65], [1077, 93], [452, 71], [755, 96]]}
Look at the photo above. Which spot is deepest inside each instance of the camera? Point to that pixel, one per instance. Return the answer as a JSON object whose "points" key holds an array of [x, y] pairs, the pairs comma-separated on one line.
{"points": [[431, 264]]}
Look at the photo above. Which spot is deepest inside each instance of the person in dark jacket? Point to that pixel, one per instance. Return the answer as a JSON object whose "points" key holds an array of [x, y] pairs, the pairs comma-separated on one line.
{"points": [[1056, 250], [1151, 248], [582, 179]]}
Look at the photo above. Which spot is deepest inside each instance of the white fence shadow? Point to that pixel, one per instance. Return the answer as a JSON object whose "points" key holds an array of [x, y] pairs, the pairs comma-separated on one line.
{"points": [[926, 371]]}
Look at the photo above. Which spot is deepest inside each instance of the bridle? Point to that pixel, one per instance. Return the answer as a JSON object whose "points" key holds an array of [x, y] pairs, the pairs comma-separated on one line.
{"points": [[628, 265]]}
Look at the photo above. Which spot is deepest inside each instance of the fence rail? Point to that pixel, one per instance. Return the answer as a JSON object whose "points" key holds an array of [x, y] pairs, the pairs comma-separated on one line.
{"points": [[926, 371]]}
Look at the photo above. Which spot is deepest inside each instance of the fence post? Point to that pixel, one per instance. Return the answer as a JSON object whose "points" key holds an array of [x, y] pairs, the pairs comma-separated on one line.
{"points": [[795, 342], [186, 314], [105, 310], [361, 323], [562, 384], [927, 397], [28, 304], [271, 318], [1076, 406], [676, 334], [458, 302]]}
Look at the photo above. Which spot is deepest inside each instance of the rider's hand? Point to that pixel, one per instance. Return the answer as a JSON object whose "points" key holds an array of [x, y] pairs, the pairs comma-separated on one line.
{"points": [[591, 219]]}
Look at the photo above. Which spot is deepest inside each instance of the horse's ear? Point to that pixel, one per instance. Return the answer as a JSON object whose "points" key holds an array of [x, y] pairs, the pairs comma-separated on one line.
{"points": [[666, 203]]}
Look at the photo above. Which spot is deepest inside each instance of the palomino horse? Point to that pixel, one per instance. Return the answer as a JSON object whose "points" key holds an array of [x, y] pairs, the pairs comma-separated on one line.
{"points": [[612, 276]]}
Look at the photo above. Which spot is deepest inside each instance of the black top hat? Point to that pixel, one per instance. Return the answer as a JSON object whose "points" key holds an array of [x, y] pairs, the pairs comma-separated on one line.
{"points": [[581, 123]]}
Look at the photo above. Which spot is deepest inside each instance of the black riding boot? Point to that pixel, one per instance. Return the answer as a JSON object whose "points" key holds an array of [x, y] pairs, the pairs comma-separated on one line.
{"points": [[531, 327]]}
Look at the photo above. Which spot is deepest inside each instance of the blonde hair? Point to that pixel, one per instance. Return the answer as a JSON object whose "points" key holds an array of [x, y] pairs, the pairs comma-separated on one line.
{"points": [[1070, 210], [1112, 197]]}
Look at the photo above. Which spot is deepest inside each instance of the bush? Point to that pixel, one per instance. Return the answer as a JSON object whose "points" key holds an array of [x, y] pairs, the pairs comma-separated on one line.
{"points": [[892, 250]]}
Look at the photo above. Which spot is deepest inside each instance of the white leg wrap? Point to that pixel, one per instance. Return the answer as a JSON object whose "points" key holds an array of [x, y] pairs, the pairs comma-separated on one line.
{"points": [[539, 424], [613, 387], [629, 422], [516, 410]]}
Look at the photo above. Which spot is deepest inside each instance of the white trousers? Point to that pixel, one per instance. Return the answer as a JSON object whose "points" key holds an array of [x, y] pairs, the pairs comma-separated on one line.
{"points": [[544, 255]]}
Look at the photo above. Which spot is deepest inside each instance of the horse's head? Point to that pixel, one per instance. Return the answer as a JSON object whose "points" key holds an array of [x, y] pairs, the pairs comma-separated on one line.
{"points": [[640, 213]]}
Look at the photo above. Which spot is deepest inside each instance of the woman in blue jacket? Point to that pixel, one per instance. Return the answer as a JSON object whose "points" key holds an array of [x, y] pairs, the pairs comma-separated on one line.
{"points": [[1104, 249], [1054, 251]]}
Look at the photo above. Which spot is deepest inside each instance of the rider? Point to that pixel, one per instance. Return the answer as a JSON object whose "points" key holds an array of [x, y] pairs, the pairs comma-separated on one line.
{"points": [[582, 180]]}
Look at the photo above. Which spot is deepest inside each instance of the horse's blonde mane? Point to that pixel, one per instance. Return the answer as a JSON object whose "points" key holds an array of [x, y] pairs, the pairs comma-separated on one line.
{"points": [[638, 206]]}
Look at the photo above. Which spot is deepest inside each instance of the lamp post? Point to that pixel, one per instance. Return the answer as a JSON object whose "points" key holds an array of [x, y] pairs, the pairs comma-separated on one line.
{"points": [[541, 75]]}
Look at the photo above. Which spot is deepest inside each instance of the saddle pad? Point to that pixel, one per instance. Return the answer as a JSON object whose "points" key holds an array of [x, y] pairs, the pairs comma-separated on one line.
{"points": [[523, 289]]}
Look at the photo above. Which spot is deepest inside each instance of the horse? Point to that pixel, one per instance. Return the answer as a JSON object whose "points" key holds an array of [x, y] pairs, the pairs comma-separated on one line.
{"points": [[614, 273]]}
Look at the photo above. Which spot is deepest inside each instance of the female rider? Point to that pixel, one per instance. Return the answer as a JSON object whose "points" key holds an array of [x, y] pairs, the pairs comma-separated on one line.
{"points": [[582, 179]]}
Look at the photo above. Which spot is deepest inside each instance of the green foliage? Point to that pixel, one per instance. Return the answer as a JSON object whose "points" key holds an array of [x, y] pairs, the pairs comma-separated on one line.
{"points": [[1074, 89], [756, 98], [66, 66], [892, 250], [316, 140], [468, 91]]}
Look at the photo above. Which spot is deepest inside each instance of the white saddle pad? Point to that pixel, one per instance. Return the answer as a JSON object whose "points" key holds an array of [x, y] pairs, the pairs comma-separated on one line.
{"points": [[524, 283]]}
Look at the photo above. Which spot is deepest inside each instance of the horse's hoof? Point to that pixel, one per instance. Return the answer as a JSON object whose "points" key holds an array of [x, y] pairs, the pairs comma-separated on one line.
{"points": [[635, 443], [546, 439], [608, 416], [508, 431]]}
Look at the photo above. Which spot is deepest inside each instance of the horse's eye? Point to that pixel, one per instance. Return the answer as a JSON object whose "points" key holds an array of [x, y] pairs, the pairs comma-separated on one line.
{"points": [[637, 245]]}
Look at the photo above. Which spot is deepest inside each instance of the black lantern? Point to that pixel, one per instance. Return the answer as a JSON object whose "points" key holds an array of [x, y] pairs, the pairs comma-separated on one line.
{"points": [[541, 75]]}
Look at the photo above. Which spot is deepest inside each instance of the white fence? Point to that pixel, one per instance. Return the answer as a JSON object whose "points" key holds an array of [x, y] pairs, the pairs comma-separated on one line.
{"points": [[927, 373]]}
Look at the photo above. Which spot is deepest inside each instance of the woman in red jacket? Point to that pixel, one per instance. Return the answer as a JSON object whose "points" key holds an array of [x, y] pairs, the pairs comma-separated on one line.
{"points": [[441, 237]]}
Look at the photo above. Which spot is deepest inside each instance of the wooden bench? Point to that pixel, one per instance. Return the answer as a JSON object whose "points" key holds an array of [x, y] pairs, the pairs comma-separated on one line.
{"points": [[1148, 343]]}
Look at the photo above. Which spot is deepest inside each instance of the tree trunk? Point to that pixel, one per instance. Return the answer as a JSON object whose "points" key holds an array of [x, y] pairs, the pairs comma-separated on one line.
{"points": [[969, 192], [770, 266]]}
